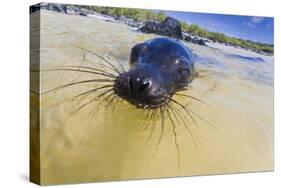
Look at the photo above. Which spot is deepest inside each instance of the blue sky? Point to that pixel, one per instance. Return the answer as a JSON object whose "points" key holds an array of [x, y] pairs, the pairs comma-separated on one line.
{"points": [[258, 29]]}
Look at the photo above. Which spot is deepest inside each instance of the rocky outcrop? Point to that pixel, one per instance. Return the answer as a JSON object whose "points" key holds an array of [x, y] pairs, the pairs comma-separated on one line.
{"points": [[56, 7], [194, 39], [74, 10], [129, 21], [49, 6], [170, 27]]}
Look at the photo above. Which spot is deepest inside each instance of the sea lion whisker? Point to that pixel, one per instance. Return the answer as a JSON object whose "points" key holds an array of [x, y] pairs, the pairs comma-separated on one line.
{"points": [[162, 127], [120, 64], [93, 112], [183, 114], [75, 70], [197, 115], [107, 105], [143, 121], [92, 90], [122, 67], [147, 119], [89, 102], [191, 97], [102, 58], [152, 116], [176, 113], [97, 106], [110, 101], [207, 123], [76, 83], [115, 104], [156, 148], [175, 136], [150, 135], [107, 66], [184, 108], [187, 109], [86, 67]]}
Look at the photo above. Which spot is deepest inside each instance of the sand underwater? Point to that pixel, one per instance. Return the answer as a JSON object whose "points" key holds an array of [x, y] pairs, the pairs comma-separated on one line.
{"points": [[120, 142]]}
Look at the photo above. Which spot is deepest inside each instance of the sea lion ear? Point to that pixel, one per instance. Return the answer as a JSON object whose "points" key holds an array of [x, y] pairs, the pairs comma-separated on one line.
{"points": [[136, 51]]}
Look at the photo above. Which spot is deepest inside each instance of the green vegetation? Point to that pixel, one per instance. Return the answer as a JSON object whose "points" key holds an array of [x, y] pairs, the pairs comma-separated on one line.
{"points": [[220, 37], [135, 14], [148, 15]]}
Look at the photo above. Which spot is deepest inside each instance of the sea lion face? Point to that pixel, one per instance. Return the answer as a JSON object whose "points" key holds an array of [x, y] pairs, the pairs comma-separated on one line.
{"points": [[142, 86], [159, 68]]}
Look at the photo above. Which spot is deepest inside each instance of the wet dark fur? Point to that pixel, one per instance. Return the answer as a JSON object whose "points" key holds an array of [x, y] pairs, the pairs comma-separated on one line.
{"points": [[159, 68]]}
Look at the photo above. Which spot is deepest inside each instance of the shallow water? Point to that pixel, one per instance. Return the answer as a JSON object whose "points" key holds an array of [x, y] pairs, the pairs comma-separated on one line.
{"points": [[122, 142]]}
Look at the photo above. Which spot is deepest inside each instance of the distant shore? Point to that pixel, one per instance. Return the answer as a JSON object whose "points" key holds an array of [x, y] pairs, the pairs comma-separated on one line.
{"points": [[155, 19]]}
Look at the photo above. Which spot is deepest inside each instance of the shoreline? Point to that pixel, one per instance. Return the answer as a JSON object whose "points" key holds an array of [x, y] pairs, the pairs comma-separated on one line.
{"points": [[137, 25]]}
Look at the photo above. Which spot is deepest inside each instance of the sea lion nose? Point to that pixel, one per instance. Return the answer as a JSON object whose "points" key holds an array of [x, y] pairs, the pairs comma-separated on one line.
{"points": [[144, 85], [137, 86]]}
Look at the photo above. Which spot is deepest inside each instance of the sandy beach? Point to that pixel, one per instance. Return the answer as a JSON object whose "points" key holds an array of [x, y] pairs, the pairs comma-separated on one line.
{"points": [[112, 145]]}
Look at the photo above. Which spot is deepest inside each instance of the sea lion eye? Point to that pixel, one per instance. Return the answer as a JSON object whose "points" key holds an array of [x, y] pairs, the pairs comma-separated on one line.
{"points": [[177, 61], [184, 73]]}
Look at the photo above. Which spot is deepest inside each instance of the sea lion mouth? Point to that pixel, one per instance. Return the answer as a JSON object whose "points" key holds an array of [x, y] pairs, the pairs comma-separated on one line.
{"points": [[158, 102], [144, 97]]}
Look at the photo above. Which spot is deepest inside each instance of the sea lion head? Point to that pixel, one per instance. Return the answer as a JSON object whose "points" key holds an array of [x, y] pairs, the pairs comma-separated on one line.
{"points": [[159, 68]]}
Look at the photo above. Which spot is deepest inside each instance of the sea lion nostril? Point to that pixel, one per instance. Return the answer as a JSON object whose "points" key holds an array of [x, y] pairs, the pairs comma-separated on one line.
{"points": [[144, 86]]}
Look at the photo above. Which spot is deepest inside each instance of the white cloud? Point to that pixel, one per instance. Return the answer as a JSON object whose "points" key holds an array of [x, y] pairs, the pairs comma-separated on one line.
{"points": [[254, 21]]}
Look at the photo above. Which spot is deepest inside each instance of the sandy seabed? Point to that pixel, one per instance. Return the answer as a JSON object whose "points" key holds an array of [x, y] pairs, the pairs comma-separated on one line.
{"points": [[122, 143]]}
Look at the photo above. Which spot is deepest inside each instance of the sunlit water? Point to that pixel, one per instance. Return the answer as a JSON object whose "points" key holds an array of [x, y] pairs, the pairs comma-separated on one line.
{"points": [[116, 143]]}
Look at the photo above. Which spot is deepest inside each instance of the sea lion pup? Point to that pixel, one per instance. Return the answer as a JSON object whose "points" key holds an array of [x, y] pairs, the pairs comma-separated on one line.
{"points": [[159, 68]]}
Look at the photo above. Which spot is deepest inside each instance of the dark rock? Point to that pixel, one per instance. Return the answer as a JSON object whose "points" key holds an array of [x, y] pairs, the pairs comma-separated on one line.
{"points": [[194, 39], [72, 10], [129, 21], [186, 37], [82, 14], [201, 42], [170, 27], [151, 27], [56, 7], [49, 6]]}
